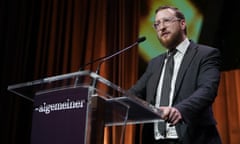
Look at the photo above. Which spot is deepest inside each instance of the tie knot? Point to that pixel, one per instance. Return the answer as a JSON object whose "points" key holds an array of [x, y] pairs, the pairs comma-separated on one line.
{"points": [[172, 52]]}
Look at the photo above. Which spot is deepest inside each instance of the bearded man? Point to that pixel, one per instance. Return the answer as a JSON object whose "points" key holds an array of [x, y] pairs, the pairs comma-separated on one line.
{"points": [[182, 83]]}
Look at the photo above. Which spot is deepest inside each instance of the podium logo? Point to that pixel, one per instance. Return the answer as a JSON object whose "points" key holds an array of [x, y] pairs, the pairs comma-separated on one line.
{"points": [[65, 105]]}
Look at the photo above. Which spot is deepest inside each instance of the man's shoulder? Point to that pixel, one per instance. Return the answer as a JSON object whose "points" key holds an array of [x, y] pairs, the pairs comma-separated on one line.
{"points": [[202, 47]]}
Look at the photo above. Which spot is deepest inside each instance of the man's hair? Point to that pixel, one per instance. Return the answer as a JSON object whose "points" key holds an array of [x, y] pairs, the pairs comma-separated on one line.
{"points": [[178, 13]]}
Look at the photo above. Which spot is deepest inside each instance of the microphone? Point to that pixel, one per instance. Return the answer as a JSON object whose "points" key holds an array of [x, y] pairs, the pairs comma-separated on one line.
{"points": [[105, 58], [102, 59], [141, 39]]}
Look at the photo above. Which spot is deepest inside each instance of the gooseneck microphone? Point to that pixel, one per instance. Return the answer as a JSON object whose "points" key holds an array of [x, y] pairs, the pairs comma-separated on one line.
{"points": [[94, 82], [102, 59], [141, 39], [105, 58]]}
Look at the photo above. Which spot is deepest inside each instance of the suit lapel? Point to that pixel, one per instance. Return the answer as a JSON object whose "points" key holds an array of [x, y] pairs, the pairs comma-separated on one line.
{"points": [[187, 59]]}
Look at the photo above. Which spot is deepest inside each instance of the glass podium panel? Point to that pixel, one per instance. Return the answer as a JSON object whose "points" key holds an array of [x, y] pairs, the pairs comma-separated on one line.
{"points": [[80, 103]]}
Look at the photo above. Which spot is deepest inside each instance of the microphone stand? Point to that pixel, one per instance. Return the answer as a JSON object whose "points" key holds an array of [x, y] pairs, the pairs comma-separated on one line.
{"points": [[113, 55], [105, 58]]}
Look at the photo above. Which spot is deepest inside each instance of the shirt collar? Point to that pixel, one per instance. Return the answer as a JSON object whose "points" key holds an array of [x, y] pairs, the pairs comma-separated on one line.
{"points": [[182, 47]]}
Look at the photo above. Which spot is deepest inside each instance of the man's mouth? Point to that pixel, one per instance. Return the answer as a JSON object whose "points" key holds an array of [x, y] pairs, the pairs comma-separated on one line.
{"points": [[164, 34]]}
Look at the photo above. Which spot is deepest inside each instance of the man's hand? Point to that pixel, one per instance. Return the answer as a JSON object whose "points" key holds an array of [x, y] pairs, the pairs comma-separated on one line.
{"points": [[171, 115]]}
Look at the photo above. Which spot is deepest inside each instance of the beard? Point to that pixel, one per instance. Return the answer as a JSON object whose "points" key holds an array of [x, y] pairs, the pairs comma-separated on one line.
{"points": [[172, 41]]}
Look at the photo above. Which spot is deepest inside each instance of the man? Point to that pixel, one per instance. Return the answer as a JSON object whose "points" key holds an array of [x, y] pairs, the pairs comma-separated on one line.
{"points": [[192, 88]]}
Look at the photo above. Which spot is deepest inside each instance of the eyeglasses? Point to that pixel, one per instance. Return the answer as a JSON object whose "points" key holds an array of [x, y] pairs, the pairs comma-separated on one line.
{"points": [[165, 21]]}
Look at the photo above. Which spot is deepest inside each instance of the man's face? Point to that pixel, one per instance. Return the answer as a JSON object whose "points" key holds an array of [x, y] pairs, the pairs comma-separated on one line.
{"points": [[170, 29]]}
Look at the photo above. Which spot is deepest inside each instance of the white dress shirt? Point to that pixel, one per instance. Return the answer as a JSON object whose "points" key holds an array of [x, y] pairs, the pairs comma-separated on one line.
{"points": [[181, 49]]}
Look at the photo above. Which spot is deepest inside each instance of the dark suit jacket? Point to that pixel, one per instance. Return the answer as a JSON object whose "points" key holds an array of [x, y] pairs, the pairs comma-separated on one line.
{"points": [[195, 91]]}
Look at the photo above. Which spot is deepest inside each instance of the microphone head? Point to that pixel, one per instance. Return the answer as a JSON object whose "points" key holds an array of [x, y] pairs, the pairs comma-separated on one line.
{"points": [[141, 39]]}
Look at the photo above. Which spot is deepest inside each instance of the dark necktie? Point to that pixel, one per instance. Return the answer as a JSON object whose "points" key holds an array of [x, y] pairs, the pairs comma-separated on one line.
{"points": [[166, 87]]}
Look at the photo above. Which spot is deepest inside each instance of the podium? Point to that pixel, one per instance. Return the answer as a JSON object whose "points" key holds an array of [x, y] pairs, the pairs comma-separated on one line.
{"points": [[76, 107]]}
